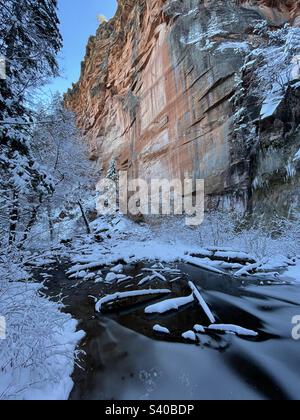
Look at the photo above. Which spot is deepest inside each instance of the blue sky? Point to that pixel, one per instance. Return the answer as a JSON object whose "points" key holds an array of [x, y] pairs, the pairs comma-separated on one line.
{"points": [[78, 21]]}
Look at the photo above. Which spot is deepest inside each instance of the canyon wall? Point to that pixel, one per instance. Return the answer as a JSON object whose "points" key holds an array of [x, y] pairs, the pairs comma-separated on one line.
{"points": [[158, 93]]}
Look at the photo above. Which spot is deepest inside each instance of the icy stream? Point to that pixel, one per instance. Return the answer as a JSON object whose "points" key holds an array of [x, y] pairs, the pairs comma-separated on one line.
{"points": [[127, 359]]}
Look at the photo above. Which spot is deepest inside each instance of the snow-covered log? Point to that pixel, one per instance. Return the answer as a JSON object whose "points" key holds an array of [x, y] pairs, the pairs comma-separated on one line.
{"points": [[190, 336], [161, 330], [83, 267], [199, 329], [169, 305], [235, 329], [245, 271], [202, 302], [201, 264], [124, 295]]}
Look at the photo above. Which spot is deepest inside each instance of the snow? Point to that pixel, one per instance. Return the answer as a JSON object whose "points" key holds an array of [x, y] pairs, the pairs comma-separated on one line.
{"points": [[118, 269], [120, 278], [291, 171], [162, 330], [230, 266], [189, 335], [199, 329], [193, 37], [207, 265], [294, 271], [131, 250], [233, 255], [89, 266], [90, 276], [275, 263], [175, 279], [169, 305], [171, 245], [155, 269], [176, 243], [123, 278], [111, 277], [203, 37], [297, 156], [202, 302], [13, 271], [227, 254], [228, 328], [236, 46], [66, 342], [125, 295], [271, 104], [79, 275], [157, 275], [296, 85], [204, 252], [145, 280], [276, 65], [266, 267], [37, 357], [247, 269], [41, 262]]}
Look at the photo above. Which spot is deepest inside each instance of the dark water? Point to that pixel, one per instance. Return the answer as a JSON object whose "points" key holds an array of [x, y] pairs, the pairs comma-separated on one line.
{"points": [[126, 360]]}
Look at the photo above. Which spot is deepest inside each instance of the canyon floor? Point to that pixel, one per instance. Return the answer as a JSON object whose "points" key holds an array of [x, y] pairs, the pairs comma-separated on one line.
{"points": [[172, 351]]}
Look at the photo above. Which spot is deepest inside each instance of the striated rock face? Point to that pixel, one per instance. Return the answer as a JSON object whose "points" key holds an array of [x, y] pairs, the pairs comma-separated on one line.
{"points": [[157, 91], [275, 11]]}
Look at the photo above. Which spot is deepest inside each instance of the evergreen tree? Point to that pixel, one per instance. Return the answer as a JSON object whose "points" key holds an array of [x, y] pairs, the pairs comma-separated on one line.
{"points": [[112, 172], [29, 42]]}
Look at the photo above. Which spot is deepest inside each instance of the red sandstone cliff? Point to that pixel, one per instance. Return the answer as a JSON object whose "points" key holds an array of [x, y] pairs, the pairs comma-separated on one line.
{"points": [[157, 87]]}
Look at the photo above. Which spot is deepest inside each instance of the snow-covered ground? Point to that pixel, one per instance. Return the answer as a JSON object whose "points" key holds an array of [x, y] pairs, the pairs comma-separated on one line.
{"points": [[37, 356], [215, 248], [294, 271]]}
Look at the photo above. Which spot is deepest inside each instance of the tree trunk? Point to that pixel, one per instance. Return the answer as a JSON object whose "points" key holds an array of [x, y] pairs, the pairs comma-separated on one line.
{"points": [[86, 222], [13, 218], [30, 224], [50, 221]]}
